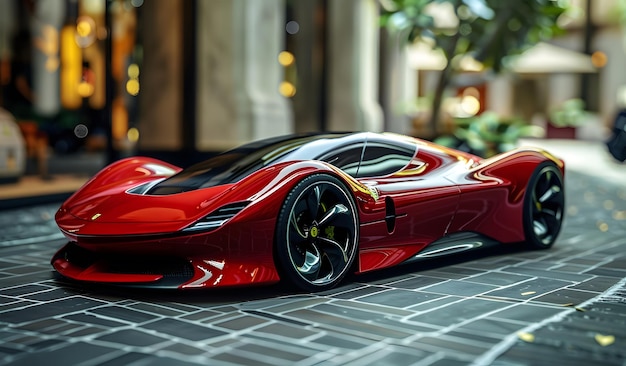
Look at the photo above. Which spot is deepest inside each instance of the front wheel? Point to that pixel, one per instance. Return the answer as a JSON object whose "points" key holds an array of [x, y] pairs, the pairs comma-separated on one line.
{"points": [[317, 233], [544, 204]]}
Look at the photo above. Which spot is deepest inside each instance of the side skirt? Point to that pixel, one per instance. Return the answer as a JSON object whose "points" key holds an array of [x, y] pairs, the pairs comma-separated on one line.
{"points": [[453, 244]]}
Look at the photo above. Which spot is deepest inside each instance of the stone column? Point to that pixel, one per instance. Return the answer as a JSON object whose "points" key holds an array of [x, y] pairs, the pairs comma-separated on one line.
{"points": [[353, 32], [160, 100], [238, 42], [45, 28], [398, 84]]}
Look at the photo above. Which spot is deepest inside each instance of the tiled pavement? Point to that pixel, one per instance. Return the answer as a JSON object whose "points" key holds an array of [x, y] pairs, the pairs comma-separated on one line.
{"points": [[564, 306]]}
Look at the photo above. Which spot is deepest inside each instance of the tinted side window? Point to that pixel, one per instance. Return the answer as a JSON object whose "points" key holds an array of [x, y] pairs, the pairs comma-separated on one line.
{"points": [[346, 158], [382, 159]]}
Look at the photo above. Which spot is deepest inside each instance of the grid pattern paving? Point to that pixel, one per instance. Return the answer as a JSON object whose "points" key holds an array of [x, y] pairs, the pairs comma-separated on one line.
{"points": [[507, 306]]}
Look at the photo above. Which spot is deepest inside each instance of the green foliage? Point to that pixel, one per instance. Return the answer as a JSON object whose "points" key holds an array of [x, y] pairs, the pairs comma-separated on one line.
{"points": [[488, 30], [488, 134], [571, 113]]}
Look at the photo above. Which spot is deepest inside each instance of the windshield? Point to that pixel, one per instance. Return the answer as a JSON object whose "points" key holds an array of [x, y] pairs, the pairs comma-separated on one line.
{"points": [[360, 155], [233, 165]]}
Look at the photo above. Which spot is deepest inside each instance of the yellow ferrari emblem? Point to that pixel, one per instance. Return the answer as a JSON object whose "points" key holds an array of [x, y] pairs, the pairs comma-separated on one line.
{"points": [[314, 232]]}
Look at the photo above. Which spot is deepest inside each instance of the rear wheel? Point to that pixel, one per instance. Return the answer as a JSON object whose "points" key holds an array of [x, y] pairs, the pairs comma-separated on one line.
{"points": [[544, 204], [317, 233]]}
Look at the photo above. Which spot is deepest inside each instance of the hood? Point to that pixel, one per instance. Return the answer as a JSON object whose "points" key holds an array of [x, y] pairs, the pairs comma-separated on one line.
{"points": [[123, 213]]}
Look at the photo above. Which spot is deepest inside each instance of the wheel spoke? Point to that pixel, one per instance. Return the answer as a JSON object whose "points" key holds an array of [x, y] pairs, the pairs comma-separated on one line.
{"points": [[295, 231], [540, 227], [335, 214], [313, 202], [551, 217], [334, 250], [312, 263], [551, 194]]}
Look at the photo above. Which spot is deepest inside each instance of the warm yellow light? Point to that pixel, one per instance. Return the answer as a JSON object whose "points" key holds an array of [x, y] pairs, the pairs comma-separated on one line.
{"points": [[71, 69], [287, 89], [133, 71], [470, 105], [83, 28], [132, 87], [286, 58], [85, 89], [133, 134], [599, 59]]}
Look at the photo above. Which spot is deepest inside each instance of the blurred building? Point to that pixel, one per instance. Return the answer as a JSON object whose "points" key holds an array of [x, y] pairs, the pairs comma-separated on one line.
{"points": [[183, 79]]}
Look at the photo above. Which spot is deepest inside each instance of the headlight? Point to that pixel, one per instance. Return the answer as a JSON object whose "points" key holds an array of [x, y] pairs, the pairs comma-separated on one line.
{"points": [[218, 217]]}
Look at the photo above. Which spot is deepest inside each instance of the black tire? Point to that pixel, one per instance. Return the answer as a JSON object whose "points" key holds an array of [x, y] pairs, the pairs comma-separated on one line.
{"points": [[317, 233], [544, 204]]}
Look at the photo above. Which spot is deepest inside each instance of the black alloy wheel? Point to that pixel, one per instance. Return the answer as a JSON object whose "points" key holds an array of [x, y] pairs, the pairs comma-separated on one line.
{"points": [[544, 204], [317, 233]]}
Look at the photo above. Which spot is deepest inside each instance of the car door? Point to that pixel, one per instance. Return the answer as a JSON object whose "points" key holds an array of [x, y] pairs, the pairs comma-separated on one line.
{"points": [[418, 205]]}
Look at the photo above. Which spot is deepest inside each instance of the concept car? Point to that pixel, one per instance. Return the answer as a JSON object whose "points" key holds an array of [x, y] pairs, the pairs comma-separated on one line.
{"points": [[306, 209]]}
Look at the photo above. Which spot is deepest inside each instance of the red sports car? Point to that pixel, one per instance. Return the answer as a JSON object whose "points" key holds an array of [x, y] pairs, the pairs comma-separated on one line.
{"points": [[307, 209]]}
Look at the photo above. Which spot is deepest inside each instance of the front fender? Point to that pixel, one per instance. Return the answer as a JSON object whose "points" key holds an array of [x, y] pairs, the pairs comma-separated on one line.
{"points": [[121, 175]]}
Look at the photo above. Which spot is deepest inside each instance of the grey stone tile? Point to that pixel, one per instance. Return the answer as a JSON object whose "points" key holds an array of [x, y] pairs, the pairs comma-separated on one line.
{"points": [[566, 296], [49, 309], [530, 354], [342, 342], [132, 337], [183, 329], [527, 313], [281, 354], [571, 277], [124, 314], [200, 315], [452, 346], [185, 350], [607, 272], [498, 278], [277, 317], [285, 304], [459, 288], [591, 322], [492, 327], [417, 282], [23, 290], [239, 359], [390, 356], [84, 331], [42, 325], [438, 302], [356, 304], [529, 289], [241, 322], [375, 318], [569, 268], [399, 298], [452, 272], [86, 318], [362, 291], [72, 354], [53, 294], [286, 330], [156, 309], [458, 312], [130, 358], [329, 321]]}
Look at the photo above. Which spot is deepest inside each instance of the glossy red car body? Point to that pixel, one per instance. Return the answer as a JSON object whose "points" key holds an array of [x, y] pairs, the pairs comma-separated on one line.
{"points": [[121, 231]]}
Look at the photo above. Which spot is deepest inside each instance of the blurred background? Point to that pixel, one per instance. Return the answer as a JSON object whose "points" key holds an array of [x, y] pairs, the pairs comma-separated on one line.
{"points": [[86, 82]]}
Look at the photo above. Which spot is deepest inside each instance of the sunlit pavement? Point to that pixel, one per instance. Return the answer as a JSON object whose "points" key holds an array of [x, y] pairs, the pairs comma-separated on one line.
{"points": [[564, 306]]}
